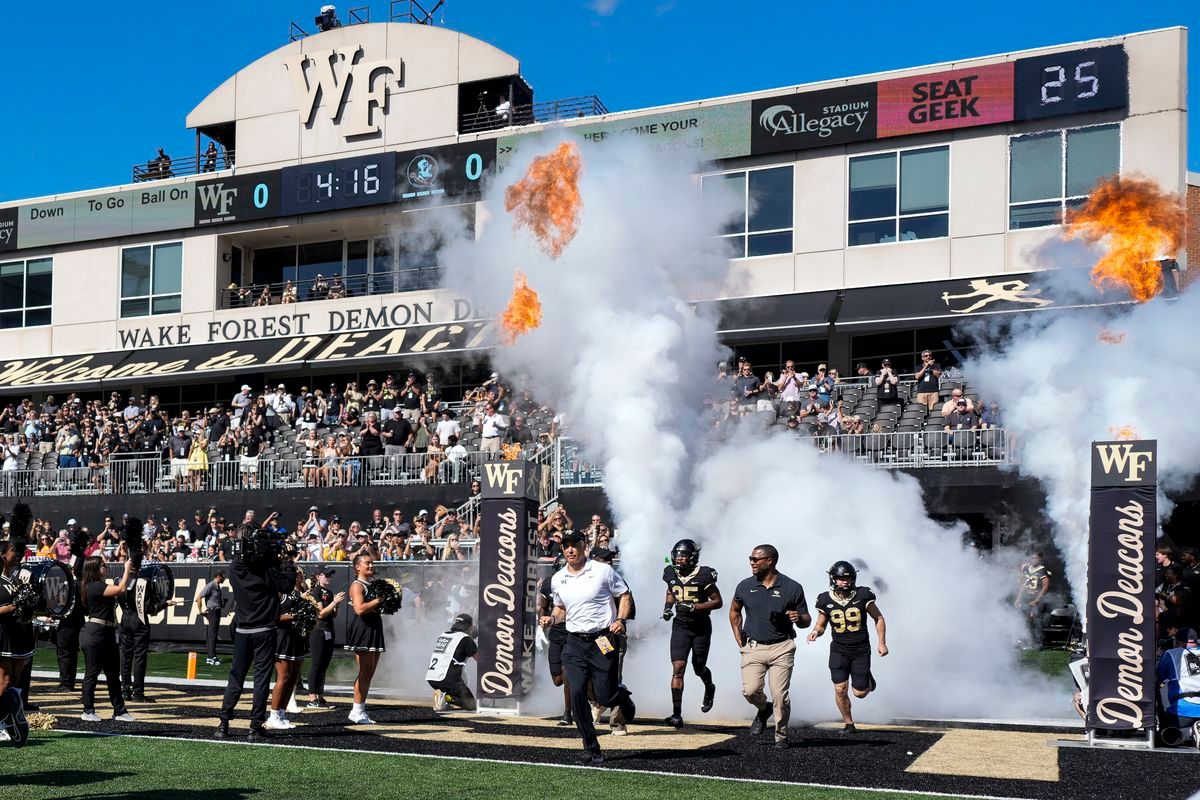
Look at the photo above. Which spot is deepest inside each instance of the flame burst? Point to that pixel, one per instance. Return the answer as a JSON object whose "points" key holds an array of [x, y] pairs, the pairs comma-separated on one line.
{"points": [[1125, 433], [547, 199], [1110, 337], [524, 312], [1140, 223]]}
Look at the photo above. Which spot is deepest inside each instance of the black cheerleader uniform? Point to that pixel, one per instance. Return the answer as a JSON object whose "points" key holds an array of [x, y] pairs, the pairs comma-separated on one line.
{"points": [[289, 644], [365, 632], [100, 651], [16, 637]]}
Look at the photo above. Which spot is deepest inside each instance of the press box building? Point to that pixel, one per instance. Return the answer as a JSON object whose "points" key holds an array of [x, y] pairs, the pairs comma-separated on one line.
{"points": [[880, 209]]}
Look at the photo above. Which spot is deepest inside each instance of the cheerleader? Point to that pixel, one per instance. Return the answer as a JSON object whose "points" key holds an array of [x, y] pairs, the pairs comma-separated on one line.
{"points": [[16, 644], [365, 636], [290, 649], [320, 641], [99, 637]]}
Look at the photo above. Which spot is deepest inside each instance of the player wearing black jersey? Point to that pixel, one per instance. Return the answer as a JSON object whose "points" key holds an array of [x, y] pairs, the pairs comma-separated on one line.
{"points": [[692, 596], [844, 608], [556, 636]]}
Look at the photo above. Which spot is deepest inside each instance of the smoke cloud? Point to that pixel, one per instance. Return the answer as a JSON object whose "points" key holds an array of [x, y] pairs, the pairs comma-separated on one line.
{"points": [[629, 361]]}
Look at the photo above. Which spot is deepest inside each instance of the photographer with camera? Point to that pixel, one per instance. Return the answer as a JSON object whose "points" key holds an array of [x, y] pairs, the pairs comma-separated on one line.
{"points": [[262, 570]]}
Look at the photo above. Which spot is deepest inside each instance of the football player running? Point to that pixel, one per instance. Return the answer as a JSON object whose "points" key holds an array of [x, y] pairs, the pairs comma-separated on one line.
{"points": [[692, 596], [845, 608]]}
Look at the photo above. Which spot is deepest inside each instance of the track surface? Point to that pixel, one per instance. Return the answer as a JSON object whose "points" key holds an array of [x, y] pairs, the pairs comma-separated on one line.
{"points": [[966, 761]]}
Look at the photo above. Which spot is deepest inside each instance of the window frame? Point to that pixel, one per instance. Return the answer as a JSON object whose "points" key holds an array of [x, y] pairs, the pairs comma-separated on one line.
{"points": [[1063, 200], [897, 216], [152, 296], [25, 308], [746, 233]]}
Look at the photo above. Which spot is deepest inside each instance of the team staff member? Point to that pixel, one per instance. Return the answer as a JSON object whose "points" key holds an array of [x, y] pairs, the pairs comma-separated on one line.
{"points": [[556, 636], [210, 603], [692, 596], [594, 602], [450, 654], [99, 637], [773, 604], [320, 641], [845, 607], [259, 577]]}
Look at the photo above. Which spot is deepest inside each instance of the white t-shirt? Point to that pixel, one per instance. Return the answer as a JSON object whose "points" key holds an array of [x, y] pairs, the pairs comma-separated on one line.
{"points": [[447, 428], [493, 425], [588, 595]]}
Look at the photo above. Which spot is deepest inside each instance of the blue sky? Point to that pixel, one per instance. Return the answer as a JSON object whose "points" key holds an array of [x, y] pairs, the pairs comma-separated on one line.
{"points": [[93, 88]]}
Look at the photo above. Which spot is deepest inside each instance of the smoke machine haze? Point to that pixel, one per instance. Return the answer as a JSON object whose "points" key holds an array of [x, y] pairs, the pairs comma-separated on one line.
{"points": [[625, 356]]}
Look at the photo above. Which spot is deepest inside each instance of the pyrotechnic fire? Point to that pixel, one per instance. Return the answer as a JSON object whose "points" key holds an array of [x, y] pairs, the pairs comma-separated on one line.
{"points": [[1110, 337], [524, 312], [1124, 433], [1139, 223], [547, 199]]}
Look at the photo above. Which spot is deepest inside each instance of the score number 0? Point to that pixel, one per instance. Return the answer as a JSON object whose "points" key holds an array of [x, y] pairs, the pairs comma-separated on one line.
{"points": [[1052, 89]]}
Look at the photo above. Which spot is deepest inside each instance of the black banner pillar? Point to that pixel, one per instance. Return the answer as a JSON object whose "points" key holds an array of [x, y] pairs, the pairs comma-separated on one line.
{"points": [[507, 579], [1120, 612]]}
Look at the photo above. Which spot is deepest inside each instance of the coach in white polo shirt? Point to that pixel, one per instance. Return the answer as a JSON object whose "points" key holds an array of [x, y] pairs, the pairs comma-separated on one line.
{"points": [[595, 602]]}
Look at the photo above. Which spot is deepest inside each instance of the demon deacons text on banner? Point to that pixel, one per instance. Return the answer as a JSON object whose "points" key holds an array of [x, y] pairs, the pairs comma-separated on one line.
{"points": [[507, 579], [1120, 614]]}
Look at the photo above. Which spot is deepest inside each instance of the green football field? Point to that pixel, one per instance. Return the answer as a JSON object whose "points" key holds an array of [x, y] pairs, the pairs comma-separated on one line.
{"points": [[63, 765]]}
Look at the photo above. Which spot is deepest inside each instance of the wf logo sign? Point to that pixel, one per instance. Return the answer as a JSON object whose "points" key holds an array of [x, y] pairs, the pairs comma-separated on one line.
{"points": [[1124, 460], [343, 81]]}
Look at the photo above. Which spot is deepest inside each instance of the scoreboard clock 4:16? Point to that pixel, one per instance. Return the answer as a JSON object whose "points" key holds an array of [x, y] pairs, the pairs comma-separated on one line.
{"points": [[344, 183]]}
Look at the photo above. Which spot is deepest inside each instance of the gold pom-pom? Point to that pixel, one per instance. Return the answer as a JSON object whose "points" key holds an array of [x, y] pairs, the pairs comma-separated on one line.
{"points": [[40, 722]]}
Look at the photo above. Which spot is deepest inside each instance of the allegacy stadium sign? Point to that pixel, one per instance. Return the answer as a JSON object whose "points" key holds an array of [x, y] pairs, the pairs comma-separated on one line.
{"points": [[1079, 81]]}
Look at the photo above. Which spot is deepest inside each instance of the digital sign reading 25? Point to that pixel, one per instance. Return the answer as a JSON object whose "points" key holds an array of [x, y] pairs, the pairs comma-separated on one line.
{"points": [[344, 183]]}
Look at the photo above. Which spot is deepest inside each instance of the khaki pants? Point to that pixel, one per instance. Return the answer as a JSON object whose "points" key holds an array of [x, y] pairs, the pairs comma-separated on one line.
{"points": [[491, 445], [928, 399], [775, 661]]}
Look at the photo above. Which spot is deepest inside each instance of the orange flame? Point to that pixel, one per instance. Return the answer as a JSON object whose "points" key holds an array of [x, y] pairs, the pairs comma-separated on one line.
{"points": [[547, 199], [1140, 223], [1110, 337], [524, 312], [1125, 433]]}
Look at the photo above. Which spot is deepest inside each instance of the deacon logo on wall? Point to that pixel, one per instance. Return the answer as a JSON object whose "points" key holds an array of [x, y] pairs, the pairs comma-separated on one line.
{"points": [[1120, 613], [344, 79]]}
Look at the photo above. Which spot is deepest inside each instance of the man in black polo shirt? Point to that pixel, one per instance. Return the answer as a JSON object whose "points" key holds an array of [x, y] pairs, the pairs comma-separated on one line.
{"points": [[773, 603]]}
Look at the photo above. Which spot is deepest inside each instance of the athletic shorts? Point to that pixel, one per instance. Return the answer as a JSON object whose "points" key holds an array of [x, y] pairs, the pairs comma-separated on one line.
{"points": [[558, 637], [691, 640], [855, 667]]}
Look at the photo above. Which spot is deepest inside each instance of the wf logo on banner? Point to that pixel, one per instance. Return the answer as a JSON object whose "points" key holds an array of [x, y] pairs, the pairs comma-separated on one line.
{"points": [[1124, 460], [1120, 591], [359, 89], [503, 476]]}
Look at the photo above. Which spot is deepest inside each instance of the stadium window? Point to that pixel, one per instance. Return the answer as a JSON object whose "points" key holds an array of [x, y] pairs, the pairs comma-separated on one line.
{"points": [[899, 196], [151, 280], [763, 227], [1052, 173], [25, 289]]}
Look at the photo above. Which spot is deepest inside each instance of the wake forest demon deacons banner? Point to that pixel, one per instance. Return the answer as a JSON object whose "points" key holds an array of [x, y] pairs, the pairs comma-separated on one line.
{"points": [[1120, 614], [507, 579]]}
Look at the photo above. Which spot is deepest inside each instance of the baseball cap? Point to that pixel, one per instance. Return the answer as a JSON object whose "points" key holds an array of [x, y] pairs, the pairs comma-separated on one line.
{"points": [[245, 387], [422, 513], [313, 508], [463, 622], [281, 386], [572, 537], [495, 375], [71, 521], [601, 554]]}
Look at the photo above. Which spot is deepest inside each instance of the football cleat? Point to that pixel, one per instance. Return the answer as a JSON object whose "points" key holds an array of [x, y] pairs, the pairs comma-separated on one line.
{"points": [[710, 693], [675, 721]]}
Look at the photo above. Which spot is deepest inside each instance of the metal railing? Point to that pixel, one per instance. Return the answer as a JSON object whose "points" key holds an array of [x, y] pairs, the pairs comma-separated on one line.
{"points": [[897, 450], [284, 292], [485, 119], [414, 12], [153, 476], [157, 169], [358, 15]]}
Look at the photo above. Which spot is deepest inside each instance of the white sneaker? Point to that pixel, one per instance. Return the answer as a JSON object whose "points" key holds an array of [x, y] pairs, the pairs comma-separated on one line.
{"points": [[4, 737], [439, 700], [89, 716], [126, 717], [361, 718], [277, 724], [597, 712], [619, 730]]}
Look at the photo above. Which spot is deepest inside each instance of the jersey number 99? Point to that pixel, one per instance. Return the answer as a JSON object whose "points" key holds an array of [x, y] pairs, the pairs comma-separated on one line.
{"points": [[848, 621]]}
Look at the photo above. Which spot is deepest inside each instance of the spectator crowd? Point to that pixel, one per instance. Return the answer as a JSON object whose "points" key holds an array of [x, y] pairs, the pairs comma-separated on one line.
{"points": [[1176, 595]]}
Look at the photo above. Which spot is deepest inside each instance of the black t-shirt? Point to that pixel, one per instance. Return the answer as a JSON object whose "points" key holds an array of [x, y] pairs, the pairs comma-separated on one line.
{"points": [[333, 404], [765, 608], [371, 444], [550, 549], [410, 398], [928, 381], [388, 396], [324, 597], [887, 390], [693, 588], [545, 591], [97, 606], [251, 445], [848, 619], [399, 428], [962, 420], [371, 403], [220, 424]]}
